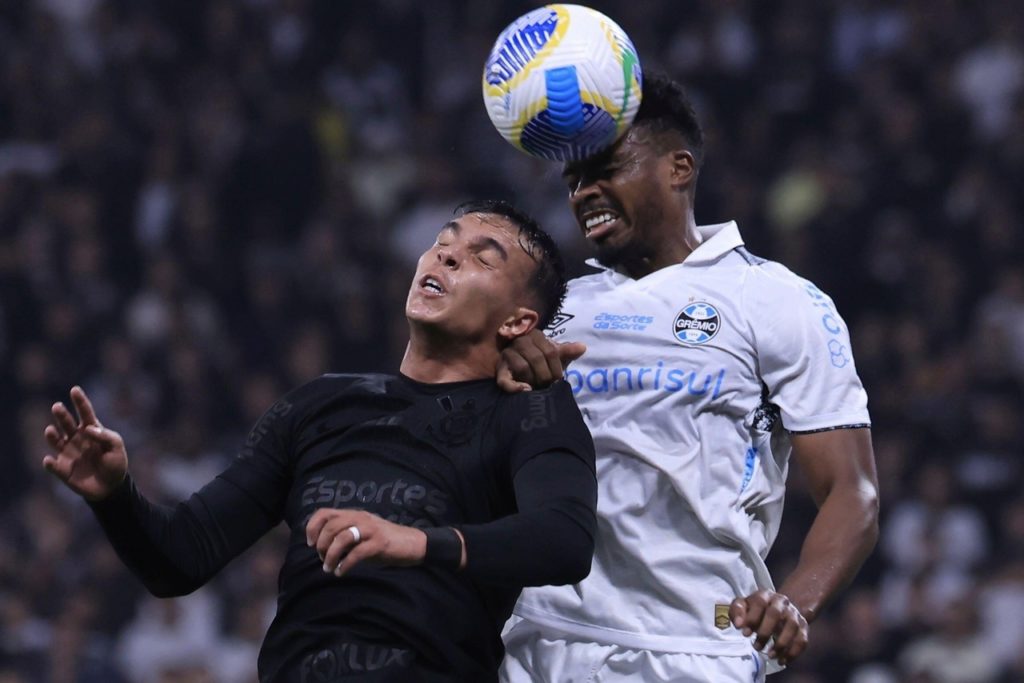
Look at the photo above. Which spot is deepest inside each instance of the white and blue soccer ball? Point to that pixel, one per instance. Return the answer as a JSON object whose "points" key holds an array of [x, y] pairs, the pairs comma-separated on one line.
{"points": [[562, 82]]}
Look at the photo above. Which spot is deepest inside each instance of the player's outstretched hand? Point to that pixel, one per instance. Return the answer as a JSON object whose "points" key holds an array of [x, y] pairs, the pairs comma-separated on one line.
{"points": [[87, 457], [378, 540], [533, 362], [771, 615]]}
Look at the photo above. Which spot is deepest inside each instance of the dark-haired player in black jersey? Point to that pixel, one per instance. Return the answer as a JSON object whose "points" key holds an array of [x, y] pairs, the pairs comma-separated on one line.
{"points": [[418, 504]]}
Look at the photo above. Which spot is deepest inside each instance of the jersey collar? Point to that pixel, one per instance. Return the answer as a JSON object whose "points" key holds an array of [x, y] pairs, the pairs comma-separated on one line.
{"points": [[716, 240]]}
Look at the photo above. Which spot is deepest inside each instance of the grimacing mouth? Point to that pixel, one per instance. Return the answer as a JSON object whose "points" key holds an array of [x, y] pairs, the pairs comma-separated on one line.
{"points": [[593, 218]]}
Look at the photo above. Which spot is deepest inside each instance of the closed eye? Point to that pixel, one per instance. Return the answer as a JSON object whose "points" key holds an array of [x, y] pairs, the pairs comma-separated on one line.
{"points": [[443, 238]]}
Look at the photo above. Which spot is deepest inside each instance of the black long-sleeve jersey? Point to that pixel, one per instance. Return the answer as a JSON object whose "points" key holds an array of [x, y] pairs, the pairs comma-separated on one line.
{"points": [[513, 472]]}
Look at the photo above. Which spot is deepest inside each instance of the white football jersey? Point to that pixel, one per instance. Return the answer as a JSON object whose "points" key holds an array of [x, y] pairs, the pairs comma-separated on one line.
{"points": [[693, 377]]}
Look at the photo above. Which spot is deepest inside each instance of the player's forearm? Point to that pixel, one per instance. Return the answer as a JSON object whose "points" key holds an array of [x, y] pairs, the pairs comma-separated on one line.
{"points": [[544, 547], [174, 551], [842, 536], [550, 540], [134, 526]]}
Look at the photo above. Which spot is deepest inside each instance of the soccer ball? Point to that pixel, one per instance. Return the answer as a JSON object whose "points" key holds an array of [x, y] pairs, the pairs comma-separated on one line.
{"points": [[562, 82]]}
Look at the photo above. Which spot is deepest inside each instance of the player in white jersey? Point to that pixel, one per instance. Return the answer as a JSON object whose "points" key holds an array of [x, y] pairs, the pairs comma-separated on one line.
{"points": [[705, 368]]}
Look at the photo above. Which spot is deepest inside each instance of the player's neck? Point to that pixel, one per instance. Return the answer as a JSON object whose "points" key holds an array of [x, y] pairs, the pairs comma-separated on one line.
{"points": [[670, 248], [433, 361]]}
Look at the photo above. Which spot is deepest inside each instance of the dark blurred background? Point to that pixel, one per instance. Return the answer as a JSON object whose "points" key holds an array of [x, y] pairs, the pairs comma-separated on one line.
{"points": [[205, 204]]}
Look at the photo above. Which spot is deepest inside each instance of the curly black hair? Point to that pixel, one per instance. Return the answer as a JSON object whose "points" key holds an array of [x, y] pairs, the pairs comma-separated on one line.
{"points": [[665, 107]]}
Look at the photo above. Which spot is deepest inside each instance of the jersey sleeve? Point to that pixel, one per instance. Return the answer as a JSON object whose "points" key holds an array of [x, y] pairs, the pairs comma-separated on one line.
{"points": [[550, 537], [176, 549], [543, 420], [803, 352]]}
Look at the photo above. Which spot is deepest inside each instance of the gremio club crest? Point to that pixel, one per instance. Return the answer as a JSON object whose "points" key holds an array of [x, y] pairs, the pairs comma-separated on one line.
{"points": [[697, 323]]}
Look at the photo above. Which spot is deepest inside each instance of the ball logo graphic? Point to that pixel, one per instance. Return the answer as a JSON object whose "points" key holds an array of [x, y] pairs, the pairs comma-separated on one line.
{"points": [[562, 82], [697, 323]]}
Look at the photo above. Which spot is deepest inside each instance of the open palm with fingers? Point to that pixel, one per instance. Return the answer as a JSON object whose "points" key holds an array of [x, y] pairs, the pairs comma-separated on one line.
{"points": [[88, 457]]}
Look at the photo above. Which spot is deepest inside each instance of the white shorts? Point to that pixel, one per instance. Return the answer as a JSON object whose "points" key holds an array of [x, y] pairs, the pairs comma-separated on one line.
{"points": [[536, 656]]}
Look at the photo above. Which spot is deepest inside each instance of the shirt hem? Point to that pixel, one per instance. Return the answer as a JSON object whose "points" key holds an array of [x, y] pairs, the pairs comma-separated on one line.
{"points": [[740, 647]]}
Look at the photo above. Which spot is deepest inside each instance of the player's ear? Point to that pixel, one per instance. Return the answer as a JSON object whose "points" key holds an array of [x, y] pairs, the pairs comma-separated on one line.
{"points": [[684, 168], [519, 323]]}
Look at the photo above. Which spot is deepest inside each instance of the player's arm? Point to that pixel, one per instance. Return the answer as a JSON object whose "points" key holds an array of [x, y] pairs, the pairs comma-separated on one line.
{"points": [[550, 540], [804, 353], [550, 537], [173, 550], [839, 466]]}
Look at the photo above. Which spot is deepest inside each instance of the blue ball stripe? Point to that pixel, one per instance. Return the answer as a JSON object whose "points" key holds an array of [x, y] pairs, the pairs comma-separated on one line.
{"points": [[564, 104], [541, 139]]}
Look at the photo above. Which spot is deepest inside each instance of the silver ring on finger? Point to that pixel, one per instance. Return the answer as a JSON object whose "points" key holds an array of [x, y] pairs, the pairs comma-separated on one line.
{"points": [[356, 536]]}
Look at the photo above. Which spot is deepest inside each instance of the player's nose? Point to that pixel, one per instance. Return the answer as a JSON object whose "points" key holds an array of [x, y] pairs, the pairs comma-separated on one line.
{"points": [[449, 257], [585, 187], [585, 192]]}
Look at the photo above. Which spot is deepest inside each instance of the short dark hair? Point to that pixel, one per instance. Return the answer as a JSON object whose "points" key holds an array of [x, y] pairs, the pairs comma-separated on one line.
{"points": [[548, 282], [666, 107]]}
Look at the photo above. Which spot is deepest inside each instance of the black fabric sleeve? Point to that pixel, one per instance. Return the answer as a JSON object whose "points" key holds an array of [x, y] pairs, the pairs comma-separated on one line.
{"points": [[175, 550], [550, 540], [545, 420]]}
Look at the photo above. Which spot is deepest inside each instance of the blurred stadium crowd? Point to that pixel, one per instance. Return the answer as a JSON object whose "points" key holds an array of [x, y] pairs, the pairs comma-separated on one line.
{"points": [[204, 204]]}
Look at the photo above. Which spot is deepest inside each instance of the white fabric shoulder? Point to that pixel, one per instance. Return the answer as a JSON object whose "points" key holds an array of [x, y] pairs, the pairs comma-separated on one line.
{"points": [[803, 349]]}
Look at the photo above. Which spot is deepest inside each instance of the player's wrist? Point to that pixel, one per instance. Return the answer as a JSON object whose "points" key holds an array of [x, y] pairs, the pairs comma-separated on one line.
{"points": [[806, 607], [116, 482], [116, 490], [444, 548]]}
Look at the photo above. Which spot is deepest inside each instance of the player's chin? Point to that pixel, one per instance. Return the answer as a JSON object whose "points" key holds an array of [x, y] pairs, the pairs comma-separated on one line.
{"points": [[610, 252], [419, 310]]}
